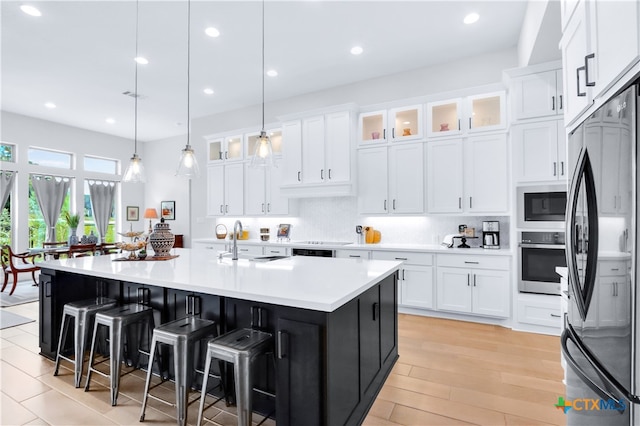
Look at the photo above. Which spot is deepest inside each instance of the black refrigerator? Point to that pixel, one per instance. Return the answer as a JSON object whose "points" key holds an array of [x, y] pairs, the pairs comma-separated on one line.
{"points": [[599, 341]]}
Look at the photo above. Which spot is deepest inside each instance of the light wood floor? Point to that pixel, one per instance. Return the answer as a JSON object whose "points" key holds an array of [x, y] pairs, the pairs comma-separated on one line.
{"points": [[449, 372]]}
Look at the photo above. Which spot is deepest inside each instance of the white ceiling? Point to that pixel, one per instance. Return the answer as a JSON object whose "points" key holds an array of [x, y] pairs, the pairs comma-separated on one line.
{"points": [[79, 54]]}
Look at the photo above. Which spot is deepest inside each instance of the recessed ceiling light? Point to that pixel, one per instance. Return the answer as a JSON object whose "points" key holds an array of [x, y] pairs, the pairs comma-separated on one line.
{"points": [[208, 91], [30, 10], [272, 73], [357, 50], [50, 105], [212, 32], [110, 120], [141, 60], [471, 18]]}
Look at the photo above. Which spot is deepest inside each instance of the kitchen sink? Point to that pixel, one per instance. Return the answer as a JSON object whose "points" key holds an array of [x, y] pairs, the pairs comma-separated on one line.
{"points": [[252, 257]]}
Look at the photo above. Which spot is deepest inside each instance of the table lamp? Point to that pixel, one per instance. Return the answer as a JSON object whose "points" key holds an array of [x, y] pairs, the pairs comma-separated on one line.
{"points": [[150, 213]]}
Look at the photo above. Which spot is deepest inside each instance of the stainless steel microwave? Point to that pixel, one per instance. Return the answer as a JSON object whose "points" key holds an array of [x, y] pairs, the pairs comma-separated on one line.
{"points": [[542, 206]]}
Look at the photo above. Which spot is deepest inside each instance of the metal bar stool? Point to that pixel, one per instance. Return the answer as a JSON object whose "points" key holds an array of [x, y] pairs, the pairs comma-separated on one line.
{"points": [[182, 335], [239, 347], [82, 313], [115, 320]]}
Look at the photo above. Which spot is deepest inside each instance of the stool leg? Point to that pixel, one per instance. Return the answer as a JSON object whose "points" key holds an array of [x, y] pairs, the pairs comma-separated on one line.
{"points": [[79, 335], [91, 355], [180, 367], [61, 341], [205, 378], [115, 346], [152, 354], [242, 373]]}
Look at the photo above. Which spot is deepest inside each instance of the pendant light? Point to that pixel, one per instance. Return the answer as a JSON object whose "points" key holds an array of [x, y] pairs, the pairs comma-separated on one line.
{"points": [[135, 171], [188, 165], [263, 153]]}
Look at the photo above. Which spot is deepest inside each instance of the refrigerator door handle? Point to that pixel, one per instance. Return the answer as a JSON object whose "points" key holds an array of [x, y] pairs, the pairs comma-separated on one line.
{"points": [[610, 382]]}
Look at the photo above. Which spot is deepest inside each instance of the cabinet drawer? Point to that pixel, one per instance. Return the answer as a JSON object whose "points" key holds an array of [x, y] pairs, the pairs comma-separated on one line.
{"points": [[210, 246], [353, 254], [476, 262], [409, 258], [253, 250], [283, 251], [612, 268], [540, 313]]}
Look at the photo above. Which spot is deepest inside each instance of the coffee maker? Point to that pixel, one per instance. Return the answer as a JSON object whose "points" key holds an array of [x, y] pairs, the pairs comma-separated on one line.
{"points": [[491, 234]]}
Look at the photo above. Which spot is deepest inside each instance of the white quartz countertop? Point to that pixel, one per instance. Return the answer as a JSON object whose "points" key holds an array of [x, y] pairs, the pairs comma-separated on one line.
{"points": [[432, 248], [322, 284]]}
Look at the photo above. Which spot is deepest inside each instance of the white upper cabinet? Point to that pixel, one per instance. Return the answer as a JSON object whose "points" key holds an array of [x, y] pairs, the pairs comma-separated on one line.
{"points": [[317, 155], [262, 192], [224, 149], [537, 95], [225, 190], [391, 179], [391, 125], [599, 42], [477, 113], [540, 152], [468, 176]]}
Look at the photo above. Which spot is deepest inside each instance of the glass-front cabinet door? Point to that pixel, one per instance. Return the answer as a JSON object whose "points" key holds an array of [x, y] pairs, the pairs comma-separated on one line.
{"points": [[234, 148], [225, 149], [444, 118], [275, 135], [406, 122], [216, 150], [486, 112], [372, 127]]}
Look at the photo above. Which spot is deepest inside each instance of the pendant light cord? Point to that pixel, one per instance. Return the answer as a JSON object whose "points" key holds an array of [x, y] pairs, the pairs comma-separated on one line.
{"points": [[263, 70], [188, 72], [135, 91]]}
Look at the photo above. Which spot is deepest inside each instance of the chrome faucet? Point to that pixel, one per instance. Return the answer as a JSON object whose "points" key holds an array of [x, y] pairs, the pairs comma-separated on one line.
{"points": [[236, 225]]}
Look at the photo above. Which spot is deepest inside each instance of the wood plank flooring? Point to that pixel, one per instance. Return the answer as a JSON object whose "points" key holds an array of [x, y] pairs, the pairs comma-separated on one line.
{"points": [[455, 372], [449, 372]]}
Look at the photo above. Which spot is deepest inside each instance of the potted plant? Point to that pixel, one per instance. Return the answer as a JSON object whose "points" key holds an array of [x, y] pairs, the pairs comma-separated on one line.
{"points": [[73, 220], [142, 254]]}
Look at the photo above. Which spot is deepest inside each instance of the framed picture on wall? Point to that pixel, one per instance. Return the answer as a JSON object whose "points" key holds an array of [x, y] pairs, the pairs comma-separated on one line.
{"points": [[168, 210], [133, 213]]}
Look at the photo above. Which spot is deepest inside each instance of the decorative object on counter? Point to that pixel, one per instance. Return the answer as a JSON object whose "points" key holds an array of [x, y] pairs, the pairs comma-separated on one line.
{"points": [[150, 213], [264, 234], [284, 231], [132, 213], [244, 234], [92, 238], [463, 240], [168, 210], [161, 239], [263, 155], [132, 246], [470, 232], [371, 236], [188, 165], [462, 229], [135, 170], [406, 132], [375, 135], [444, 127], [73, 220], [221, 232], [84, 240], [360, 233], [142, 254]]}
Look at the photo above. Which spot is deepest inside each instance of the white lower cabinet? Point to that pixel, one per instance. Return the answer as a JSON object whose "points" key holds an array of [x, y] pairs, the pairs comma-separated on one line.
{"points": [[473, 284], [353, 254], [276, 251], [215, 245], [415, 281]]}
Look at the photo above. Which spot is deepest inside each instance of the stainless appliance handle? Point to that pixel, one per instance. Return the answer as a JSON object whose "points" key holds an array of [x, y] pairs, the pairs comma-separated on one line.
{"points": [[569, 333], [542, 246]]}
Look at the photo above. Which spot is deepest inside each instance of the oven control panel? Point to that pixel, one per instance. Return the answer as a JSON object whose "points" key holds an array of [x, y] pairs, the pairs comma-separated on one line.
{"points": [[555, 238]]}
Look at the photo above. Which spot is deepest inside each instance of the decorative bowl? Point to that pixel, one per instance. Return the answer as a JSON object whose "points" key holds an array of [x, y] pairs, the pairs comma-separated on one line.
{"points": [[131, 234]]}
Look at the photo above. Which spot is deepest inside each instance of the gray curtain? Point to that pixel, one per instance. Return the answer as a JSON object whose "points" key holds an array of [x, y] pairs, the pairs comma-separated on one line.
{"points": [[102, 193], [6, 180], [50, 193]]}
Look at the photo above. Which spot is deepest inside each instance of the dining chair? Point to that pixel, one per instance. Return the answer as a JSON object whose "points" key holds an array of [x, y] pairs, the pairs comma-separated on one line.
{"points": [[80, 250], [16, 263], [50, 247]]}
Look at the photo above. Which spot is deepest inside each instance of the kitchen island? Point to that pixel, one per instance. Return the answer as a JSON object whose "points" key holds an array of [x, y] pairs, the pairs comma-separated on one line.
{"points": [[334, 321]]}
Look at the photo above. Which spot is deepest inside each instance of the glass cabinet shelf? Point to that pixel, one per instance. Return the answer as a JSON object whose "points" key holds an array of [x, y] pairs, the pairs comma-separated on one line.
{"points": [[477, 113], [225, 149], [392, 125]]}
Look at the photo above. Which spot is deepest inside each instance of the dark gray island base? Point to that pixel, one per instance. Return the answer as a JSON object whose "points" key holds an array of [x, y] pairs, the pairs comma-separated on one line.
{"points": [[329, 366]]}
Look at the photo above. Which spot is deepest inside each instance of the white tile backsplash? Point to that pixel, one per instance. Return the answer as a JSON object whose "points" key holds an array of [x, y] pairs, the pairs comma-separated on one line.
{"points": [[335, 219]]}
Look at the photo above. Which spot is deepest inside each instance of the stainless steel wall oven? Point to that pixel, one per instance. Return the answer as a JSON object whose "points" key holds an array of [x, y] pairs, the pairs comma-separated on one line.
{"points": [[539, 253]]}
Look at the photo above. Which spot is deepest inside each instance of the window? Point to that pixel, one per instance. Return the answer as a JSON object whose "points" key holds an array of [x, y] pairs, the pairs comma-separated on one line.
{"points": [[89, 222], [37, 227], [44, 157], [100, 165], [7, 152], [5, 223]]}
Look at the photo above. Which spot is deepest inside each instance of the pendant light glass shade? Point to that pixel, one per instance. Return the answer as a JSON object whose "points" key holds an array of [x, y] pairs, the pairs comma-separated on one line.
{"points": [[188, 165], [135, 171], [263, 154]]}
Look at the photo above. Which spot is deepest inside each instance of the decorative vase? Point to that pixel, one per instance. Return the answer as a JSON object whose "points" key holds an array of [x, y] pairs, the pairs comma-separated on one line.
{"points": [[73, 238], [92, 238], [161, 239]]}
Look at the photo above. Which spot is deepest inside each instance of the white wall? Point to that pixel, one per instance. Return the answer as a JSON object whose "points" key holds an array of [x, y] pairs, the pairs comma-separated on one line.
{"points": [[25, 132], [326, 218]]}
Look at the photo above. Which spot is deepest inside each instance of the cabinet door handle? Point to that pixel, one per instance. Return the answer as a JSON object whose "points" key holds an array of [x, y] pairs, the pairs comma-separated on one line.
{"points": [[221, 208], [384, 133], [554, 168], [553, 103], [615, 269], [385, 205], [394, 203], [470, 202], [226, 155], [226, 208], [47, 288], [393, 133], [562, 168], [268, 207], [329, 173], [458, 124], [298, 176], [404, 274], [262, 207], [586, 70], [376, 307], [244, 249], [401, 258], [355, 255], [283, 344], [555, 315], [321, 174], [471, 263], [470, 123], [274, 251], [474, 280], [581, 94], [559, 102], [460, 203], [468, 280]]}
